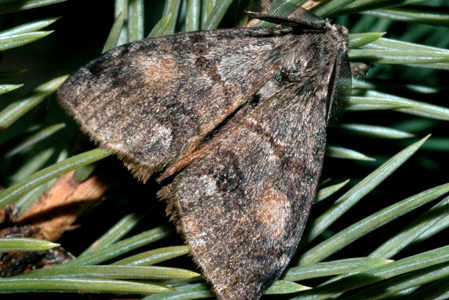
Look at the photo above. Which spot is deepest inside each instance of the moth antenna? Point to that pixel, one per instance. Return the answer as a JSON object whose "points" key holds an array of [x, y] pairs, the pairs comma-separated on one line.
{"points": [[339, 87], [359, 71], [285, 13]]}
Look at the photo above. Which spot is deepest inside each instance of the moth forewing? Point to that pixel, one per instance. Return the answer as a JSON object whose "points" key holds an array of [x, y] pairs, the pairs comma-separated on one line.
{"points": [[243, 202], [154, 101]]}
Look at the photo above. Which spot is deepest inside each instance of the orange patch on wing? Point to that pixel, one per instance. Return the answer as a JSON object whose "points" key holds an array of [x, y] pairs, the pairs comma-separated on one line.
{"points": [[159, 71], [273, 211]]}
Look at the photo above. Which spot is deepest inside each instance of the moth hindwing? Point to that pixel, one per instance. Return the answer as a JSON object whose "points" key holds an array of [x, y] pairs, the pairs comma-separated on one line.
{"points": [[234, 122]]}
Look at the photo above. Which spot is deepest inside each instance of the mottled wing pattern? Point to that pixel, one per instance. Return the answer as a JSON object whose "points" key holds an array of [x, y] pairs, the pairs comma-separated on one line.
{"points": [[245, 199], [154, 100]]}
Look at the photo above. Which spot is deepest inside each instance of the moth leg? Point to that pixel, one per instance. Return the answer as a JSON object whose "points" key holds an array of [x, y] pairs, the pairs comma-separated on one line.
{"points": [[359, 71]]}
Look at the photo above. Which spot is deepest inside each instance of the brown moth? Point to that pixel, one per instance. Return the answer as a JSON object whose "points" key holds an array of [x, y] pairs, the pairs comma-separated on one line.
{"points": [[233, 122]]}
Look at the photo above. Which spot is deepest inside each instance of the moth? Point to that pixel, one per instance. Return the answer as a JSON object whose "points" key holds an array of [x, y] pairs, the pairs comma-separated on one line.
{"points": [[233, 124]]}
